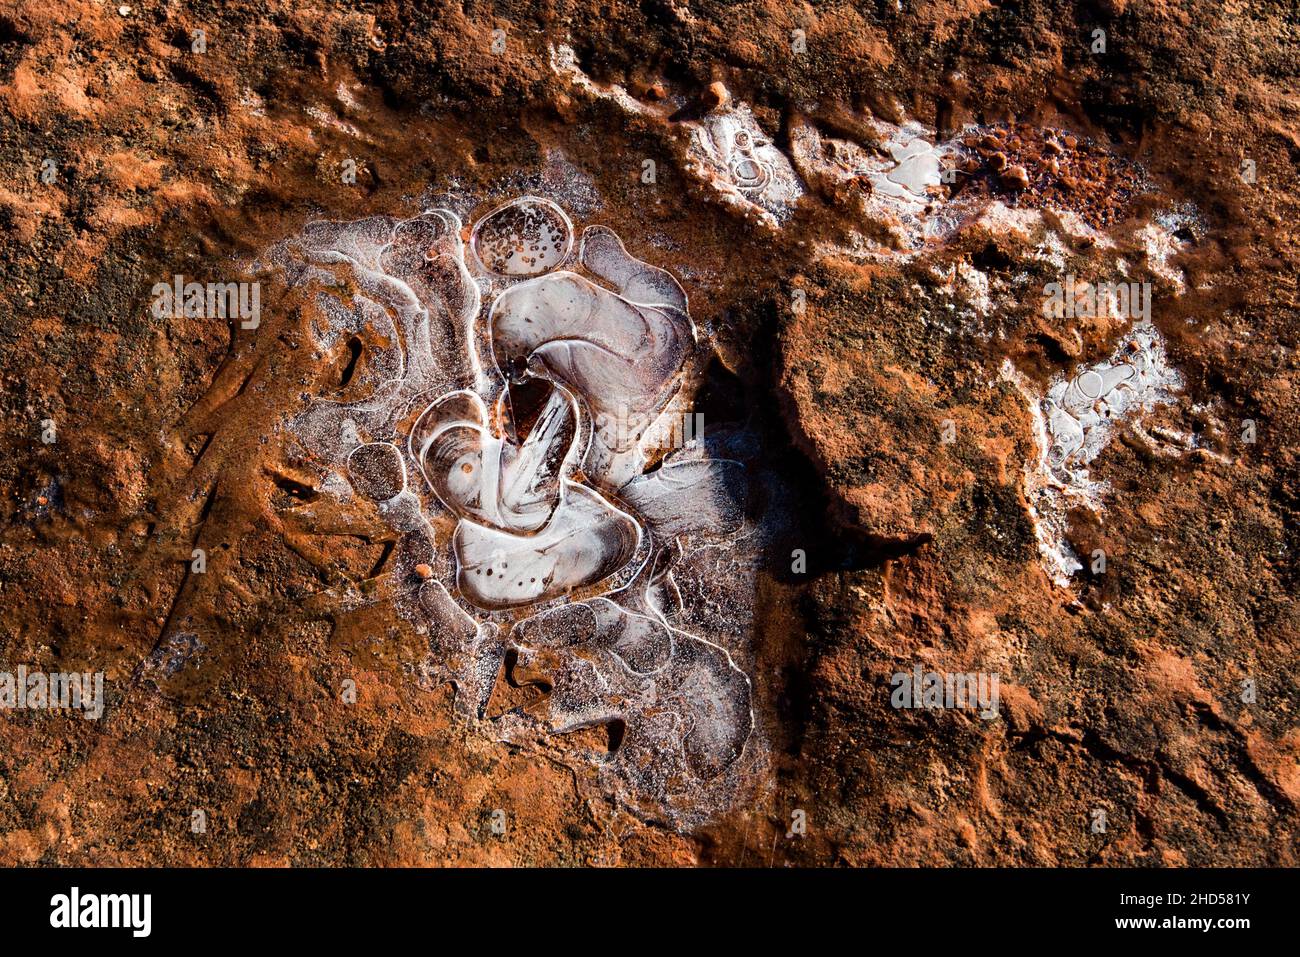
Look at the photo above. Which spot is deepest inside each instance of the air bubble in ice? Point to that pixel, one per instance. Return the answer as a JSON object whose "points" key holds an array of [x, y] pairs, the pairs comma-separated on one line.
{"points": [[729, 150]]}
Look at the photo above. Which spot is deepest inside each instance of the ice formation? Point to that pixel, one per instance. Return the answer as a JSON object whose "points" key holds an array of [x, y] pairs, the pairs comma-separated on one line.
{"points": [[901, 200], [503, 422], [727, 148], [1075, 421], [523, 238], [730, 151]]}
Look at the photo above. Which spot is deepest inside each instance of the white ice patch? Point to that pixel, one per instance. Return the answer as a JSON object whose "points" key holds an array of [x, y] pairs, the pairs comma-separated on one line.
{"points": [[900, 180], [727, 148], [1076, 228], [731, 152], [915, 169], [1161, 242], [564, 62], [1075, 422], [1052, 250], [326, 118], [968, 284], [1021, 222]]}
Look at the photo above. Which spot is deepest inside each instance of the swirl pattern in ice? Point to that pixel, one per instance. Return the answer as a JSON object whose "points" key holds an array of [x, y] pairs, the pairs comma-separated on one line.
{"points": [[503, 422]]}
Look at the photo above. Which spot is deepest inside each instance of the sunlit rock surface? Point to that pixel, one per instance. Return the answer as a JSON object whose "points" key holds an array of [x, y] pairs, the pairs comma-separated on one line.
{"points": [[794, 447]]}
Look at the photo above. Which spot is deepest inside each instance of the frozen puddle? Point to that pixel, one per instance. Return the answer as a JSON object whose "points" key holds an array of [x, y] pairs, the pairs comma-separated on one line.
{"points": [[898, 184], [523, 238], [726, 148], [730, 151], [1073, 424], [507, 403]]}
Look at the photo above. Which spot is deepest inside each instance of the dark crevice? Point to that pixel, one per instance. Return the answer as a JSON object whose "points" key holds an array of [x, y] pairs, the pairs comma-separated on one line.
{"points": [[354, 356]]}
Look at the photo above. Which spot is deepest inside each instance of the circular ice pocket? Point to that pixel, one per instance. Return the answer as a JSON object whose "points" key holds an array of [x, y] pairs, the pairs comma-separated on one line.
{"points": [[377, 470], [526, 237], [1091, 384], [749, 173]]}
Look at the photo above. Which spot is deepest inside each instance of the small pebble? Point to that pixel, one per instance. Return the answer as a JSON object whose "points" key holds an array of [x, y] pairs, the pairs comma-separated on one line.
{"points": [[424, 571], [1015, 178]]}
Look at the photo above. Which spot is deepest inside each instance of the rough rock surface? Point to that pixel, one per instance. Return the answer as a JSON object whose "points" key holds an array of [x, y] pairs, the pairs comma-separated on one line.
{"points": [[876, 375]]}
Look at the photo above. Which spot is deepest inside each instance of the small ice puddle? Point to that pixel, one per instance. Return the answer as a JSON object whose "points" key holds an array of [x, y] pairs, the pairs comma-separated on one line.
{"points": [[916, 171], [727, 148], [731, 152], [1073, 424], [524, 238], [898, 182], [1164, 239]]}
